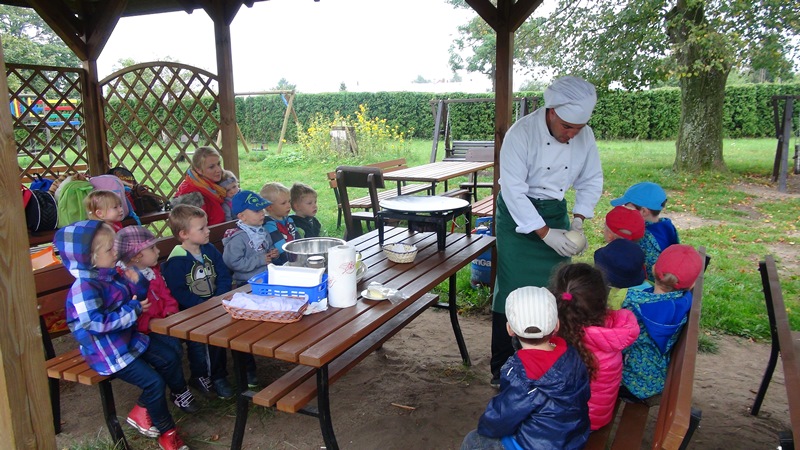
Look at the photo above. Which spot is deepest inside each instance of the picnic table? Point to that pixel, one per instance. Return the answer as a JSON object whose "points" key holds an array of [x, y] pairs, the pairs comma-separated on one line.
{"points": [[323, 344], [437, 172]]}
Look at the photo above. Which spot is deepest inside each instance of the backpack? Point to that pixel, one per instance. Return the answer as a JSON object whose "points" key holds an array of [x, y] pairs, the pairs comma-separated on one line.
{"points": [[125, 175], [69, 198], [114, 184], [41, 211], [41, 183], [145, 200]]}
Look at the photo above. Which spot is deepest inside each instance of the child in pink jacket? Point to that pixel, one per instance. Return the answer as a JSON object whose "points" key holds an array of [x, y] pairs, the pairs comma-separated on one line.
{"points": [[598, 333]]}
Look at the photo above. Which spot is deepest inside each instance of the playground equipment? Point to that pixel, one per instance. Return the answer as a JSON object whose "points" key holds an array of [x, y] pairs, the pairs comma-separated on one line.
{"points": [[289, 110], [42, 119], [783, 132]]}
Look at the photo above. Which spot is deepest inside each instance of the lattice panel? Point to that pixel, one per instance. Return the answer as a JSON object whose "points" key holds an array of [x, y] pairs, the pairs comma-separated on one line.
{"points": [[156, 115], [47, 111]]}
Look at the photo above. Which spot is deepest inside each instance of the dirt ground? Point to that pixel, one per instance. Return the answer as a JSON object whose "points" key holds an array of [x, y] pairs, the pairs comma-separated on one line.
{"points": [[414, 394]]}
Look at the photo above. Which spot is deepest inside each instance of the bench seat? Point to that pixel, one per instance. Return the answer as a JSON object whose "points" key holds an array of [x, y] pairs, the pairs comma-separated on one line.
{"points": [[483, 207]]}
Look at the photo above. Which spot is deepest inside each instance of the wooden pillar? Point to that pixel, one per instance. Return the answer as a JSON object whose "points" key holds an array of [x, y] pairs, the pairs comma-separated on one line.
{"points": [[227, 108], [26, 420], [504, 83], [94, 123]]}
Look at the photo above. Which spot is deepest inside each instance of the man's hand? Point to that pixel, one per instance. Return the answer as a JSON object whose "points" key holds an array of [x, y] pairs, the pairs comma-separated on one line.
{"points": [[558, 241]]}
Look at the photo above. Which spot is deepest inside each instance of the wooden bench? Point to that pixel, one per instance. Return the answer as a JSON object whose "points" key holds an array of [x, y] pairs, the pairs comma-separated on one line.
{"points": [[52, 285], [458, 149], [28, 175], [787, 343], [676, 420], [45, 237], [484, 207], [364, 202]]}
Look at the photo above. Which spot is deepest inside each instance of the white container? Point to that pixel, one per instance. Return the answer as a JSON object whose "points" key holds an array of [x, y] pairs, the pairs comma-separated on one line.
{"points": [[342, 276]]}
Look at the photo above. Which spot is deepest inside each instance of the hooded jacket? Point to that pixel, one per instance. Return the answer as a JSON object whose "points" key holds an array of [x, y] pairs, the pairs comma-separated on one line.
{"points": [[241, 257], [191, 281], [162, 303], [545, 413], [660, 318], [100, 308], [606, 344], [664, 232]]}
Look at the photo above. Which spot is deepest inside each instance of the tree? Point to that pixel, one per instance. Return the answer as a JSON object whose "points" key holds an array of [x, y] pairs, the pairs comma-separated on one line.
{"points": [[342, 87], [28, 40], [421, 80], [284, 85], [643, 43]]}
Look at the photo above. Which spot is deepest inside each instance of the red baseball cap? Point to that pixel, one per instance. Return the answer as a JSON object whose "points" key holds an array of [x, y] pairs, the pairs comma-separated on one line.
{"points": [[682, 261], [626, 223]]}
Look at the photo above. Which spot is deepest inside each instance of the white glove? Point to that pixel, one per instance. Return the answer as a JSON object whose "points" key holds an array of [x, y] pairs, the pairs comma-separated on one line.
{"points": [[577, 224], [558, 241]]}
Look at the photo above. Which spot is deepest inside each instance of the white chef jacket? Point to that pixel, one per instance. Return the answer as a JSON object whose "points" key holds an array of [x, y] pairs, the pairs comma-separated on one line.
{"points": [[534, 164]]}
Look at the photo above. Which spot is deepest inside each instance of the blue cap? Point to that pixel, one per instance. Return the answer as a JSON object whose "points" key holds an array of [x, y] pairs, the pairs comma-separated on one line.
{"points": [[247, 200], [622, 262], [645, 194]]}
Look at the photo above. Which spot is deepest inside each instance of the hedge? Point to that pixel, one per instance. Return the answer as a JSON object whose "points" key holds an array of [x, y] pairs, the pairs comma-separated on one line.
{"points": [[653, 114]]}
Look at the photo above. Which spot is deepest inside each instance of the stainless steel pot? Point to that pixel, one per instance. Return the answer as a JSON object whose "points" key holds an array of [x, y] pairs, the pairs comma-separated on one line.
{"points": [[300, 250]]}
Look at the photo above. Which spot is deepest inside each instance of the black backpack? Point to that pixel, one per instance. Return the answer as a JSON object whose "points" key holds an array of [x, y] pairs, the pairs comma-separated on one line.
{"points": [[41, 213]]}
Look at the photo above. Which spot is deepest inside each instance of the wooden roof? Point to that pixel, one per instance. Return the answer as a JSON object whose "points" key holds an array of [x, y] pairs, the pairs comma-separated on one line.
{"points": [[132, 8]]}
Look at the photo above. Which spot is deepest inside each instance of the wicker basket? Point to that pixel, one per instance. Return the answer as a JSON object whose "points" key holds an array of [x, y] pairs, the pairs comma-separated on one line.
{"points": [[400, 253], [265, 316]]}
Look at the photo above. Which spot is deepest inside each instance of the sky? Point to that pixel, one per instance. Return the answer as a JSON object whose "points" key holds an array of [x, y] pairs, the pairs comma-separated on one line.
{"points": [[370, 45]]}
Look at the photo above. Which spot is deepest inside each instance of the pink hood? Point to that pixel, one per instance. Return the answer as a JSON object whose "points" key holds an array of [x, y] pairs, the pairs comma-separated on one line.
{"points": [[606, 343]]}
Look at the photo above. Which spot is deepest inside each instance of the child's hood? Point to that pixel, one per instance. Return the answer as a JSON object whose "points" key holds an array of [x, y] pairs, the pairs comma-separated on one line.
{"points": [[619, 331], [74, 244]]}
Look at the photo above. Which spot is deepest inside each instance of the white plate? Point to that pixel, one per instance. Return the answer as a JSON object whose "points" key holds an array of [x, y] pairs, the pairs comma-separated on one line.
{"points": [[362, 270], [365, 294]]}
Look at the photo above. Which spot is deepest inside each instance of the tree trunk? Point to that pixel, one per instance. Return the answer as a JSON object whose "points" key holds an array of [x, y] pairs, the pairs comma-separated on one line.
{"points": [[699, 144]]}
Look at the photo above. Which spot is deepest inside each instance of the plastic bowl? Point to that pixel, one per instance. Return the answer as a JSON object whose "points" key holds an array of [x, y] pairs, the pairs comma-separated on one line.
{"points": [[300, 250], [400, 253]]}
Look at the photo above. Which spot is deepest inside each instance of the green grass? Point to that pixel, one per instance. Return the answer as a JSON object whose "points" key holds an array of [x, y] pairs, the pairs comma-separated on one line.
{"points": [[738, 228]]}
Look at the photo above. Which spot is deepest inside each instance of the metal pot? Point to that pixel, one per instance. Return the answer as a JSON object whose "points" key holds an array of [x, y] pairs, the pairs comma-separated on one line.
{"points": [[300, 250]]}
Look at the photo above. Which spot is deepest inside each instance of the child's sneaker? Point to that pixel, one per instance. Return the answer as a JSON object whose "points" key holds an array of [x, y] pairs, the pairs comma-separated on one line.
{"points": [[185, 401], [224, 389], [252, 380], [139, 419], [171, 441], [201, 384]]}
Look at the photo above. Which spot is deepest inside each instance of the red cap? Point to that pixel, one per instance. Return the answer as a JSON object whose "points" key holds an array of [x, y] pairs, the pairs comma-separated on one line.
{"points": [[626, 223], [682, 261]]}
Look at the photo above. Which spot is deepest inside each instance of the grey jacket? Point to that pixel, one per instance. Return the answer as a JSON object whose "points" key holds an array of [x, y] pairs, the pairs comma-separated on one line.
{"points": [[240, 256]]}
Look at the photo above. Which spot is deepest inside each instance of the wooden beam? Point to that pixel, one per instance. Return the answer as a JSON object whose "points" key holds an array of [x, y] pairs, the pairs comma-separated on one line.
{"points": [[94, 122], [26, 419], [227, 108], [520, 12], [504, 71], [486, 10], [187, 5], [100, 27], [64, 22]]}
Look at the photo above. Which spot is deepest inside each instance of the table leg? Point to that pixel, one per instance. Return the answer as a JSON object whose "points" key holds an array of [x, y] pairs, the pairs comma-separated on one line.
{"points": [[324, 406], [468, 225], [451, 303], [242, 402], [379, 224], [441, 232]]}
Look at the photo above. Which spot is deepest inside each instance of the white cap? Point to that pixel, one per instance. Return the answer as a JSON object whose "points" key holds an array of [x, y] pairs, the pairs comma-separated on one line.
{"points": [[531, 312], [572, 98]]}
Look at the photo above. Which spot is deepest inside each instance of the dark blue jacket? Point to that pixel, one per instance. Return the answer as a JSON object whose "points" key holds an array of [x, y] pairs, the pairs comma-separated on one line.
{"points": [[665, 233], [548, 413], [192, 282]]}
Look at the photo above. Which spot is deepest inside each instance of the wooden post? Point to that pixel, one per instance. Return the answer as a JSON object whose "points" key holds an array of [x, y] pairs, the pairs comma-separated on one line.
{"points": [[26, 420], [227, 109], [94, 122], [289, 108]]}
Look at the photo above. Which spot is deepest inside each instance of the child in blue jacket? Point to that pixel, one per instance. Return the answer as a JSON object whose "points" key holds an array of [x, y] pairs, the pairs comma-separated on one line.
{"points": [[195, 272], [544, 386], [279, 225], [102, 307], [661, 312]]}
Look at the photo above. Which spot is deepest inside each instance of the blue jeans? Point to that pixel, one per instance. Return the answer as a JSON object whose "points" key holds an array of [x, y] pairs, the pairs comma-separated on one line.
{"points": [[206, 360], [474, 441], [139, 373], [168, 360]]}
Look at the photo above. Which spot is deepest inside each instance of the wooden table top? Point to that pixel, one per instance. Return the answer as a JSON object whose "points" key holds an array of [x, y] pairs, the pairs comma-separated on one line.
{"points": [[438, 171], [319, 338]]}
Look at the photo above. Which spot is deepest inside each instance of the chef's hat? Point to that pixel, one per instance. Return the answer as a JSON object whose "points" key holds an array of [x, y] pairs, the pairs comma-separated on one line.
{"points": [[572, 98]]}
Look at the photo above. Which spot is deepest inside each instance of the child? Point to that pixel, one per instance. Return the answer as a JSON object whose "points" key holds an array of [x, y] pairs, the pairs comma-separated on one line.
{"points": [[649, 199], [135, 246], [622, 263], [248, 250], [278, 224], [231, 186], [105, 206], [195, 272], [544, 386], [102, 307], [304, 203], [599, 334], [623, 223], [661, 312]]}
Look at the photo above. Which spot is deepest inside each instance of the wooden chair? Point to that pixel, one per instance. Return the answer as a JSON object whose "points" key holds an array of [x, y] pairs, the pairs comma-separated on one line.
{"points": [[480, 154], [348, 177]]}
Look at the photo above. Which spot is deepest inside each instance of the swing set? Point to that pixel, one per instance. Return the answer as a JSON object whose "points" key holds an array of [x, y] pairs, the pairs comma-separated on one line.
{"points": [[783, 132], [287, 96]]}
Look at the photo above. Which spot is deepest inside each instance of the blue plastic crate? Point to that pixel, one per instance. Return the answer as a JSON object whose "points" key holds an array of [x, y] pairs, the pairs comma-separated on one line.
{"points": [[261, 286]]}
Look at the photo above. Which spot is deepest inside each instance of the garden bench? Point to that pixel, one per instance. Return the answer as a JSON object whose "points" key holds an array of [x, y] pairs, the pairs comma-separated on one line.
{"points": [[52, 285], [458, 150], [786, 342], [45, 237], [364, 202], [677, 419], [484, 207], [478, 154], [55, 171]]}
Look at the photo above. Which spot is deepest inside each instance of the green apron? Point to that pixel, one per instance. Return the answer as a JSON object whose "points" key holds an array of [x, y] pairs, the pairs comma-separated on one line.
{"points": [[524, 259]]}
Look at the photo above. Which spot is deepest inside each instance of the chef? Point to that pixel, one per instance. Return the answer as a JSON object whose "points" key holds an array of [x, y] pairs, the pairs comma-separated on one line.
{"points": [[543, 155]]}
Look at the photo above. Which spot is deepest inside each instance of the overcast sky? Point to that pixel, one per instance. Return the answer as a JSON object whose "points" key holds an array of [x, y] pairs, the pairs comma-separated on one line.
{"points": [[370, 45]]}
